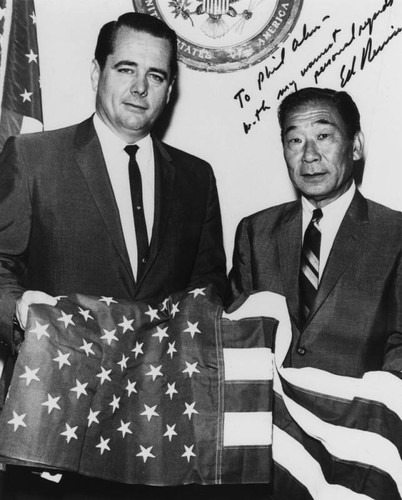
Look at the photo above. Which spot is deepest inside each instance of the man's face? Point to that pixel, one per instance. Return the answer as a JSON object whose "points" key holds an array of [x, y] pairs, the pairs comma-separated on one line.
{"points": [[134, 86], [318, 153]]}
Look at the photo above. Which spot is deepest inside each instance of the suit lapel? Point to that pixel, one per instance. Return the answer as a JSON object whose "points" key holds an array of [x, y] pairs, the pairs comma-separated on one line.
{"points": [[345, 250], [289, 243], [164, 183], [89, 158]]}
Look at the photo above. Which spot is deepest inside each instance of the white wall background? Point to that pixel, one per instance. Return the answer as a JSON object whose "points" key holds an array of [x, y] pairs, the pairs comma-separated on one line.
{"points": [[208, 121]]}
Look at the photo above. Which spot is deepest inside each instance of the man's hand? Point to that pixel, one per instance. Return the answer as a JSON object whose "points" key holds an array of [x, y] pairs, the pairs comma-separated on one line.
{"points": [[31, 297]]}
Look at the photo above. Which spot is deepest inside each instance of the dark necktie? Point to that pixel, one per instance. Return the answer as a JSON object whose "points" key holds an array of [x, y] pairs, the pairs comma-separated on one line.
{"points": [[309, 264], [138, 209]]}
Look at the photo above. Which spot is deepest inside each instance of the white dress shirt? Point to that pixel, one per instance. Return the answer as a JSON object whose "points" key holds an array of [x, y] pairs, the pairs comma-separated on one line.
{"points": [[117, 160], [332, 216]]}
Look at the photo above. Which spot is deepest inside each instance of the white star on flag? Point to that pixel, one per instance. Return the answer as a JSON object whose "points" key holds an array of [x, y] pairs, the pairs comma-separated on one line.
{"points": [[131, 387], [126, 324], [104, 375], [171, 350], [123, 362], [32, 57], [191, 368], [93, 417], [66, 319], [80, 389], [152, 313], [109, 336], [160, 333], [145, 453], [155, 372], [40, 330], [33, 17], [26, 96], [103, 445], [107, 300], [51, 403], [175, 309], [198, 291], [170, 432], [87, 347], [188, 453], [62, 359], [124, 428], [171, 390], [85, 313], [115, 404], [69, 433], [192, 329], [17, 420], [150, 412], [138, 349], [30, 375], [190, 410]]}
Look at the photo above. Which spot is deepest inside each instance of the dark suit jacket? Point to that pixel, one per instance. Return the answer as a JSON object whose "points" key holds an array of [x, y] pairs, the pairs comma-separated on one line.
{"points": [[60, 230], [355, 324]]}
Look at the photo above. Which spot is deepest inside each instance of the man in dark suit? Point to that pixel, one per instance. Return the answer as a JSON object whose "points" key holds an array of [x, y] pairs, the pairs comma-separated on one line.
{"points": [[342, 273], [68, 219], [66, 214]]}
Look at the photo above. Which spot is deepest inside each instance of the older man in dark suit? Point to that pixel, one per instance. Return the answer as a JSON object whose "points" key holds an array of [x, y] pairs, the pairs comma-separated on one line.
{"points": [[333, 254], [103, 207]]}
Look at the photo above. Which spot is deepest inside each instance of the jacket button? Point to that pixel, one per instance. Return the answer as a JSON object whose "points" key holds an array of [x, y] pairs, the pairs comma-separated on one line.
{"points": [[144, 260], [301, 350]]}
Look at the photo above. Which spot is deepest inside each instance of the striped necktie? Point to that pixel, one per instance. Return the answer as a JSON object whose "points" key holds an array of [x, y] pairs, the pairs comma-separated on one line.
{"points": [[138, 209], [310, 264]]}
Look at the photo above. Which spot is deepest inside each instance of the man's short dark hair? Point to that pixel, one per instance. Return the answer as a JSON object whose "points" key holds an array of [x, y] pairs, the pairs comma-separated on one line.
{"points": [[341, 101], [136, 21]]}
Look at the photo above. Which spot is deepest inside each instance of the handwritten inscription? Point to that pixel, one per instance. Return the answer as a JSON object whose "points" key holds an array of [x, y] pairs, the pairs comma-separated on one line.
{"points": [[268, 72], [368, 54], [347, 51], [369, 23], [318, 72], [306, 35]]}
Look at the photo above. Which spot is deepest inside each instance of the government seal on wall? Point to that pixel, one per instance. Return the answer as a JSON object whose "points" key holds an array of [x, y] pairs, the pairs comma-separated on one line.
{"points": [[225, 35]]}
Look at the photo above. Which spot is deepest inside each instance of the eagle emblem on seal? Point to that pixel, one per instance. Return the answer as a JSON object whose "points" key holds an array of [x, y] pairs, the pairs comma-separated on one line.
{"points": [[215, 25], [225, 35]]}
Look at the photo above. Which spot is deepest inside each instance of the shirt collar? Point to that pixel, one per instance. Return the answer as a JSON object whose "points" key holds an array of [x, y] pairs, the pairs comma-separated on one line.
{"points": [[112, 142], [341, 204]]}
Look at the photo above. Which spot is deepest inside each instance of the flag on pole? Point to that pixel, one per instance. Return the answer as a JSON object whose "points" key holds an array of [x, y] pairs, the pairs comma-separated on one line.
{"points": [[21, 105]]}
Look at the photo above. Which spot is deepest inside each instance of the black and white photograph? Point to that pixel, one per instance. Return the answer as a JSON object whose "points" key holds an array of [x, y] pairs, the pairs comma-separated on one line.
{"points": [[200, 250]]}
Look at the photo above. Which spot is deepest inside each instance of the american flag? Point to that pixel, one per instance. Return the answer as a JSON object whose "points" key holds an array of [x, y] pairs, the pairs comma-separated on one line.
{"points": [[338, 437], [19, 69], [334, 437], [237, 416], [142, 393]]}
